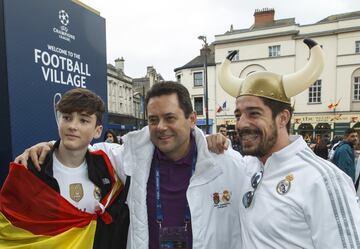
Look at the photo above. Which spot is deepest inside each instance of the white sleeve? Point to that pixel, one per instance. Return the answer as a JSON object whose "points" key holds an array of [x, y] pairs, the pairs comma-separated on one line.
{"points": [[332, 212], [114, 152]]}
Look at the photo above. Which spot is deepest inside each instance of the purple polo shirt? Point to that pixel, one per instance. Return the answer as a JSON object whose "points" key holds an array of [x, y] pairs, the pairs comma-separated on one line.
{"points": [[174, 181]]}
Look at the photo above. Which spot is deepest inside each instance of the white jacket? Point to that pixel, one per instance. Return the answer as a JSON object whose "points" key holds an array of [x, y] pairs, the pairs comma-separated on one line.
{"points": [[214, 224], [318, 210]]}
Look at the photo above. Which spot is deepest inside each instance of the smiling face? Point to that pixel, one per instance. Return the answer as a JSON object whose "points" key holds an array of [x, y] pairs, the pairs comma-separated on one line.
{"points": [[169, 128], [223, 131], [77, 130], [258, 134]]}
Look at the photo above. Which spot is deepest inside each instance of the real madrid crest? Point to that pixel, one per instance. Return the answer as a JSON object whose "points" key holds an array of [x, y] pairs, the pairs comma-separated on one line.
{"points": [[284, 185]]}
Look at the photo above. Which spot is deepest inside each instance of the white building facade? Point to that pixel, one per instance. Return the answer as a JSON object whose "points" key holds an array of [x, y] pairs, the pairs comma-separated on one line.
{"points": [[329, 106], [123, 103]]}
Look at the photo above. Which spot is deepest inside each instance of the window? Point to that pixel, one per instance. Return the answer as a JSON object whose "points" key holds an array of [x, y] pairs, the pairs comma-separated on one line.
{"points": [[236, 57], [178, 78], [198, 105], [356, 88], [274, 51], [357, 46], [198, 79], [315, 92]]}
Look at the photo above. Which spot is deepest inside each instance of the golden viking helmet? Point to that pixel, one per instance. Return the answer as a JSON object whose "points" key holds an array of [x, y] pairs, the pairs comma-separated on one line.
{"points": [[271, 85]]}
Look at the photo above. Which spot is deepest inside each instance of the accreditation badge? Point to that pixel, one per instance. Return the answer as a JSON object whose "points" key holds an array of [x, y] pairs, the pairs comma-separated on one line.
{"points": [[173, 237]]}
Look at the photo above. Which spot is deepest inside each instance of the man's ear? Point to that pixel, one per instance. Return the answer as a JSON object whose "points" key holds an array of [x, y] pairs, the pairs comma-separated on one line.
{"points": [[193, 119], [284, 117], [98, 131]]}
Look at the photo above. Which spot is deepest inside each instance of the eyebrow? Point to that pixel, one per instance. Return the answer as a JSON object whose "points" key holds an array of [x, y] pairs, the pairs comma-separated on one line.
{"points": [[165, 114], [250, 108], [84, 114]]}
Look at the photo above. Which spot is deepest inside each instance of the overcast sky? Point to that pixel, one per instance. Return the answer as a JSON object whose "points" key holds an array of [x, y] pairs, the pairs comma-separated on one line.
{"points": [[163, 33]]}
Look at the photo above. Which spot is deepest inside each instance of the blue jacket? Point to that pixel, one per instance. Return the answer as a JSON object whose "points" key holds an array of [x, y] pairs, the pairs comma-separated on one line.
{"points": [[344, 158]]}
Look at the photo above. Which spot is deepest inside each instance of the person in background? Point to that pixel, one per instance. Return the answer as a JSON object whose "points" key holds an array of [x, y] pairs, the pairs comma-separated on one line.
{"points": [[344, 156], [110, 137], [223, 130], [321, 147]]}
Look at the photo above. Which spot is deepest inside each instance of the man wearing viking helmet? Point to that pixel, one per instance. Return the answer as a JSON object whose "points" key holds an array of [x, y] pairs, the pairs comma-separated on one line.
{"points": [[293, 199]]}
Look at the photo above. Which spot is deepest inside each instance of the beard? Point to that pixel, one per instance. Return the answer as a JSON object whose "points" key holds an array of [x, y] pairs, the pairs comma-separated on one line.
{"points": [[254, 142]]}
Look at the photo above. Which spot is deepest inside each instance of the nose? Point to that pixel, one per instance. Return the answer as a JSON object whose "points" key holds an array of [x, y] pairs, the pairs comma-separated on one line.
{"points": [[242, 122], [162, 125], [73, 125]]}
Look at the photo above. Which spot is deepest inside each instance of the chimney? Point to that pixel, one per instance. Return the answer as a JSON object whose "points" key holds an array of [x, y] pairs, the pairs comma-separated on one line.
{"points": [[264, 16], [119, 64], [205, 50]]}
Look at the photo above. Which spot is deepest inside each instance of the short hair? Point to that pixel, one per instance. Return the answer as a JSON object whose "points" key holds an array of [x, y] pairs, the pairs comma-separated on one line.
{"points": [[222, 126], [168, 88], [348, 131], [82, 100], [277, 107]]}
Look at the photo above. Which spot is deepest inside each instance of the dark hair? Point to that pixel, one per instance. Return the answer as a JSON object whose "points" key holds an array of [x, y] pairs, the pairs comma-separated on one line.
{"points": [[277, 107], [82, 100], [113, 134], [168, 88], [348, 131], [222, 126]]}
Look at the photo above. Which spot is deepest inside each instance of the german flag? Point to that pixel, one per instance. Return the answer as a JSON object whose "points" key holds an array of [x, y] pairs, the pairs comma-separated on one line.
{"points": [[33, 215]]}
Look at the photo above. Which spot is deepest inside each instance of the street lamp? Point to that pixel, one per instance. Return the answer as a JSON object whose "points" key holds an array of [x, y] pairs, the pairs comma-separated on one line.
{"points": [[142, 107], [137, 108], [205, 50]]}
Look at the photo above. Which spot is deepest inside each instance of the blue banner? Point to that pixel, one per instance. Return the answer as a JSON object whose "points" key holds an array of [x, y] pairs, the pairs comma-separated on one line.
{"points": [[50, 48]]}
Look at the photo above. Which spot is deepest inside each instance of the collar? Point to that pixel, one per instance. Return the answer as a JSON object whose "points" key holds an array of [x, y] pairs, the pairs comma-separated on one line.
{"points": [[186, 160]]}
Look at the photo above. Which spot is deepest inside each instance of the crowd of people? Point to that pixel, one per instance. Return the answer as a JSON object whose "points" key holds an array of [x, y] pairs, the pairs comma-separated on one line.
{"points": [[170, 186]]}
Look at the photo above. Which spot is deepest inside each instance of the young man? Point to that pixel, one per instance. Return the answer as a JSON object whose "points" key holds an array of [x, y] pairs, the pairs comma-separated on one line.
{"points": [[294, 199], [223, 130], [73, 188], [344, 156], [181, 195]]}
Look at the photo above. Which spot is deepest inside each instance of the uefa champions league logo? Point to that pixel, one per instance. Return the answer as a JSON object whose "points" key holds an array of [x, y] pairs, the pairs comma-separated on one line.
{"points": [[64, 17], [63, 30]]}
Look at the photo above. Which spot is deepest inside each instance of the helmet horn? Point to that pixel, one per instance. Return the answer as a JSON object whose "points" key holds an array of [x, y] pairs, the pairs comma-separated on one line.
{"points": [[299, 81], [228, 81]]}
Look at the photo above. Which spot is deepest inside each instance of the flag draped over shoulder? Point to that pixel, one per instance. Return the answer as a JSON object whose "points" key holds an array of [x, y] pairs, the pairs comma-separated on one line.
{"points": [[33, 215]]}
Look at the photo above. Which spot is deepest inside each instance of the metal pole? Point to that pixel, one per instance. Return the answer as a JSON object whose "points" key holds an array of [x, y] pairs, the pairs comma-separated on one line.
{"points": [[144, 107], [206, 90]]}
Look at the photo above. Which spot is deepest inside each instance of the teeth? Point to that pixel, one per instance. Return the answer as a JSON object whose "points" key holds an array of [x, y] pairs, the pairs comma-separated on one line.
{"points": [[249, 136]]}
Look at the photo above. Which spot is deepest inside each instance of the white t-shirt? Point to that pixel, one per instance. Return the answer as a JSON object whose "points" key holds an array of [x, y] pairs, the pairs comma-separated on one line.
{"points": [[76, 187]]}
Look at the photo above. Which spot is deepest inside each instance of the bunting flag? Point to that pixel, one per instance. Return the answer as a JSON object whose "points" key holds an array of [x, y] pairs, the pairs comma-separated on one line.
{"points": [[221, 107], [334, 105], [33, 215]]}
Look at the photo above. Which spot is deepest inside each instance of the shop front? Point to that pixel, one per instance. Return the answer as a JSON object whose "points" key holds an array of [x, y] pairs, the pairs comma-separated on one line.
{"points": [[312, 126]]}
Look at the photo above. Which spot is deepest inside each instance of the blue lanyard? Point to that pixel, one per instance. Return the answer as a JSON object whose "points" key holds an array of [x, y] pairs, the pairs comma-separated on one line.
{"points": [[159, 213]]}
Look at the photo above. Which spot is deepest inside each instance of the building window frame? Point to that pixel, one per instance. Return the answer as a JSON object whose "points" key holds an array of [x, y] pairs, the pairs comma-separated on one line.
{"points": [[274, 51], [356, 92], [199, 105], [357, 47], [314, 96], [198, 79]]}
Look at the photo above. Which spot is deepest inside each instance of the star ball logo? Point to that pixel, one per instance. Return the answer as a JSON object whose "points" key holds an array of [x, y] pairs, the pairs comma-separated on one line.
{"points": [[63, 30], [64, 17]]}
